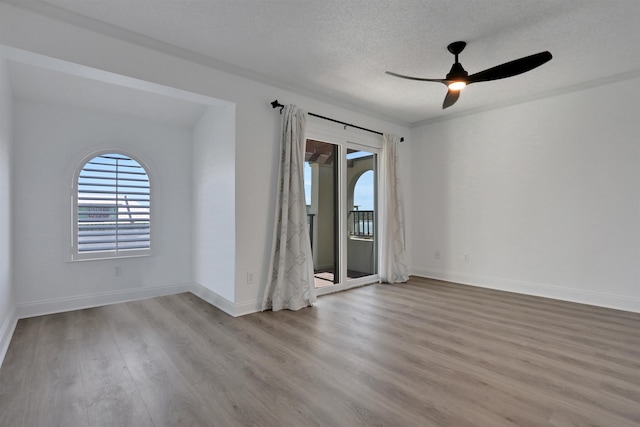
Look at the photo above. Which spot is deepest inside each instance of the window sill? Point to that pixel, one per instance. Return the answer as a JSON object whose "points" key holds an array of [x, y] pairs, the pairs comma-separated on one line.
{"points": [[104, 256]]}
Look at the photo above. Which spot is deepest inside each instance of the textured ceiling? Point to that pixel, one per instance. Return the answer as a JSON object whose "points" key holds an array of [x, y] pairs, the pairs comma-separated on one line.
{"points": [[339, 50]]}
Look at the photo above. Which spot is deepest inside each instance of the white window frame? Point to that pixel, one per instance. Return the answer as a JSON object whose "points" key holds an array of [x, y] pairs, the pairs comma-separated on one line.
{"points": [[74, 255]]}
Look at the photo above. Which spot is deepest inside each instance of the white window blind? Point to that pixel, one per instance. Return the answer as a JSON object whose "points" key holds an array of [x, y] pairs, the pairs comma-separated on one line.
{"points": [[113, 209]]}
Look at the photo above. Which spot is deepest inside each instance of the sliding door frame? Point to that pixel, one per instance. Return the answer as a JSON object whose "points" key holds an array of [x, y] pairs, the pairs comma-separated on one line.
{"points": [[344, 139]]}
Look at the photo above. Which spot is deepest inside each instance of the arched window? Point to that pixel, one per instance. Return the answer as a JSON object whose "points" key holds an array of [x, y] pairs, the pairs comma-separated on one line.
{"points": [[361, 221], [112, 208]]}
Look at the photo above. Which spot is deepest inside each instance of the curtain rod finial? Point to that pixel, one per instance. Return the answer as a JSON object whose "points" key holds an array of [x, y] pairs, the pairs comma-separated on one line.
{"points": [[276, 104]]}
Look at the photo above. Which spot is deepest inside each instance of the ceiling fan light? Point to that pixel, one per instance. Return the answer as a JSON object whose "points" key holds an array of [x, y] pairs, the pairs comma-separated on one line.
{"points": [[457, 85]]}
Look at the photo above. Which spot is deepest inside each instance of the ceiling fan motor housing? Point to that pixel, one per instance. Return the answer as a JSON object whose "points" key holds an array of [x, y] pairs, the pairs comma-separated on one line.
{"points": [[457, 73]]}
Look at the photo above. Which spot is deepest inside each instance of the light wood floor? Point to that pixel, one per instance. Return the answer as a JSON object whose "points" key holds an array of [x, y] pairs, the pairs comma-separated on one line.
{"points": [[424, 353]]}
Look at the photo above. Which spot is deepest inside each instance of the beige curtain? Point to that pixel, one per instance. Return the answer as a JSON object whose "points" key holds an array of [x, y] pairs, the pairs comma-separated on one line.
{"points": [[290, 284], [393, 263]]}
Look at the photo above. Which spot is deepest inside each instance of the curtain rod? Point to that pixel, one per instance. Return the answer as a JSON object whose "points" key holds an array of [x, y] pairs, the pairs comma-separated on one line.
{"points": [[276, 104]]}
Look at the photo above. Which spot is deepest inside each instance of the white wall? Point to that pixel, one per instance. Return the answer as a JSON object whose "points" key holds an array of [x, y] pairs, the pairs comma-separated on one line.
{"points": [[214, 205], [7, 303], [50, 140], [257, 125], [543, 196]]}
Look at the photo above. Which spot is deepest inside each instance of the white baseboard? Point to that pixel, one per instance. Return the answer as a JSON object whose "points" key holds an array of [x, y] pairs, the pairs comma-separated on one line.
{"points": [[599, 299], [59, 305], [6, 332], [214, 299], [224, 304], [248, 307]]}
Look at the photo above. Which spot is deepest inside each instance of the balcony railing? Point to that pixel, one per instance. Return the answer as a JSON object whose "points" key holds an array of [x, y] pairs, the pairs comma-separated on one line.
{"points": [[362, 224]]}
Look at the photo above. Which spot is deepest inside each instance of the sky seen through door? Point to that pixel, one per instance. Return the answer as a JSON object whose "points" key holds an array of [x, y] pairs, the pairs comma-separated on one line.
{"points": [[363, 197]]}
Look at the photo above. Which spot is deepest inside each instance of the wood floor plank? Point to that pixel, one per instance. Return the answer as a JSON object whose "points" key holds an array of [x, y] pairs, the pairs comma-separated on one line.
{"points": [[392, 362], [466, 354], [101, 362], [172, 407], [493, 344], [16, 368], [349, 369], [293, 378], [117, 405], [424, 353], [391, 357], [56, 394], [452, 325], [12, 408], [63, 408], [186, 349], [160, 385], [228, 404]]}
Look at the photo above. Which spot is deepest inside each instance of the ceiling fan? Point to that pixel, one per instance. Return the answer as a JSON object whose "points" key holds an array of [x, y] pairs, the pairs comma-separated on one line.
{"points": [[458, 78]]}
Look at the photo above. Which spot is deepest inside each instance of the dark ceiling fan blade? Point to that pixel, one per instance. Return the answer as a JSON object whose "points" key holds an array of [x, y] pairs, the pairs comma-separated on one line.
{"points": [[416, 78], [451, 98], [512, 68]]}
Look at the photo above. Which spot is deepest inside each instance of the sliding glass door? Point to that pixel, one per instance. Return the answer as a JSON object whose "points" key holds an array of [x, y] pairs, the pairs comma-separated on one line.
{"points": [[362, 254], [320, 181], [341, 197]]}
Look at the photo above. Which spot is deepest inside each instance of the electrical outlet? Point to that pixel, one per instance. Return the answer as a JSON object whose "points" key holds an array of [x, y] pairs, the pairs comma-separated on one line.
{"points": [[437, 254], [466, 257], [249, 278], [118, 271]]}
